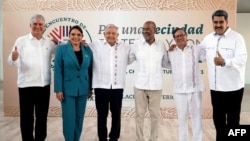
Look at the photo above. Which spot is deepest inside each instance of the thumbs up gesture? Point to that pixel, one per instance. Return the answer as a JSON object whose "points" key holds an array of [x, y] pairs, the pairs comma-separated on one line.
{"points": [[218, 60], [15, 54]]}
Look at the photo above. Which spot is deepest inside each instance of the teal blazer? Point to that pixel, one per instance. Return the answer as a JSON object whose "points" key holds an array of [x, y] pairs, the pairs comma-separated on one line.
{"points": [[69, 77]]}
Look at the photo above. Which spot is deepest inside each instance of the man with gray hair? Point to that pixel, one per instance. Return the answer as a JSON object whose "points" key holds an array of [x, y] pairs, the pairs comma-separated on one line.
{"points": [[31, 54], [110, 59]]}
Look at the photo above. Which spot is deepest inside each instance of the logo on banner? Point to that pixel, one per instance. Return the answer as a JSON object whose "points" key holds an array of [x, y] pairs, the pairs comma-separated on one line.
{"points": [[59, 29]]}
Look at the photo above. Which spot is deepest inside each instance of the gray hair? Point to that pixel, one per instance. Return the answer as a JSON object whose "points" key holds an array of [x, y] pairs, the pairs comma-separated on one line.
{"points": [[110, 26], [37, 16]]}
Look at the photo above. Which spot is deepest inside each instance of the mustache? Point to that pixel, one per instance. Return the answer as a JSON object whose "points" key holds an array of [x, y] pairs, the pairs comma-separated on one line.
{"points": [[218, 27]]}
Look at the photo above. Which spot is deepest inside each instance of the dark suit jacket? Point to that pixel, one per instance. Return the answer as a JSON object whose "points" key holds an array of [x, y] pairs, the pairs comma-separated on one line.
{"points": [[70, 77]]}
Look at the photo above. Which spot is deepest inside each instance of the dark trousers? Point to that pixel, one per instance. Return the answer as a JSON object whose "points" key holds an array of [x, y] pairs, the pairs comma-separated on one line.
{"points": [[34, 99], [226, 110], [106, 99]]}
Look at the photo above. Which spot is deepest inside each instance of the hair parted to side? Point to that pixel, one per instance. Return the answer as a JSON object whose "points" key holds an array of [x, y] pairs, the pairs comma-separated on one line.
{"points": [[76, 27], [39, 16], [177, 29], [110, 26], [220, 13]]}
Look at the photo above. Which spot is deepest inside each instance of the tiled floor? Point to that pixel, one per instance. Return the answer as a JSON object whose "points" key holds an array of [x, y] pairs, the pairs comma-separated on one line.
{"points": [[246, 99]]}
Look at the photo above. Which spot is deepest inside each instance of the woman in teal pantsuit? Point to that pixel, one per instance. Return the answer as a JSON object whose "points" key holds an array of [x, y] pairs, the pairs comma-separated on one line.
{"points": [[72, 82]]}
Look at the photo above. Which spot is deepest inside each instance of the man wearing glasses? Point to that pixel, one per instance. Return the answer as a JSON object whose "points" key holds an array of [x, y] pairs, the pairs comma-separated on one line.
{"points": [[188, 85]]}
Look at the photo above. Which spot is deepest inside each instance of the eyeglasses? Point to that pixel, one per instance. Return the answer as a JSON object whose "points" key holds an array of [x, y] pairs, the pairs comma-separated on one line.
{"points": [[181, 35]]}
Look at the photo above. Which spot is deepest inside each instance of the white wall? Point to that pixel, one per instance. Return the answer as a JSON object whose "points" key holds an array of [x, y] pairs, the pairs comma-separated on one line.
{"points": [[1, 42], [243, 27]]}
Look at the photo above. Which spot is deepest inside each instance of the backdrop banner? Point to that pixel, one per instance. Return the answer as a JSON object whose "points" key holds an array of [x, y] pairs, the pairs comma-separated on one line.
{"points": [[92, 15]]}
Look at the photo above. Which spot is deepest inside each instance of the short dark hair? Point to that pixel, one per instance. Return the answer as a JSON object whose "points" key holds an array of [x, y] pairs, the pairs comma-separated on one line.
{"points": [[220, 13], [177, 29], [76, 27], [152, 24]]}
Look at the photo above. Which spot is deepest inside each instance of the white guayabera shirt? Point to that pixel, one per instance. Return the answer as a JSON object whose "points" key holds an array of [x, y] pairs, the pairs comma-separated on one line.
{"points": [[232, 48], [149, 63], [34, 60], [185, 69], [109, 65]]}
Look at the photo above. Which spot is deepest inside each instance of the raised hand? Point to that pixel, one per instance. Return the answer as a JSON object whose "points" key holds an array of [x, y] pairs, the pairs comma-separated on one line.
{"points": [[15, 54], [84, 43], [172, 47], [218, 60]]}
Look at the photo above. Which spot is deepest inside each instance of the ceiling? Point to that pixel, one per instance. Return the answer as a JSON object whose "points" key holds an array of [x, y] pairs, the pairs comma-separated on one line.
{"points": [[243, 6]]}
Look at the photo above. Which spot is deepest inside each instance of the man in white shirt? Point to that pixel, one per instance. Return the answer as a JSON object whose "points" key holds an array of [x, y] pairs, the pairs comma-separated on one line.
{"points": [[188, 85], [31, 54], [149, 55], [226, 57], [109, 69]]}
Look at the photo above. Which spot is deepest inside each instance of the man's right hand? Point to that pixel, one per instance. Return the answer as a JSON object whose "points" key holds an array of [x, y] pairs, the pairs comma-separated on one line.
{"points": [[172, 47], [84, 43], [15, 54]]}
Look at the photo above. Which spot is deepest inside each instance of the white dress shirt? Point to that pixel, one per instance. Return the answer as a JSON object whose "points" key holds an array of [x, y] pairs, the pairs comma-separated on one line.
{"points": [[149, 62], [185, 69], [109, 65], [34, 60], [232, 48]]}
